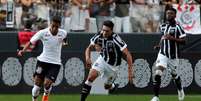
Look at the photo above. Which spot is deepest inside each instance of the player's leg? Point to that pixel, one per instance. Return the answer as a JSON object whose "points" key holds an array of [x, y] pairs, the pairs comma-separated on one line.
{"points": [[51, 72], [110, 75], [36, 88], [93, 74], [177, 81], [47, 88], [157, 82], [38, 81], [161, 64], [96, 70]]}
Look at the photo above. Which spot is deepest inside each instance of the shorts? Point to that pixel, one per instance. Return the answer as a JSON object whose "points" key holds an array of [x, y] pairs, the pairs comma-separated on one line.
{"points": [[47, 70], [170, 64], [105, 70]]}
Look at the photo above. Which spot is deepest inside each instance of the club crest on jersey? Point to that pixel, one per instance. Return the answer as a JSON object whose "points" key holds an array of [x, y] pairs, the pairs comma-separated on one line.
{"points": [[96, 64], [110, 44], [47, 35], [172, 31]]}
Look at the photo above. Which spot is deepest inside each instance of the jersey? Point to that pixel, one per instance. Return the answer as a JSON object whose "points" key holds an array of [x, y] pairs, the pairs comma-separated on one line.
{"points": [[170, 48], [52, 45], [111, 48]]}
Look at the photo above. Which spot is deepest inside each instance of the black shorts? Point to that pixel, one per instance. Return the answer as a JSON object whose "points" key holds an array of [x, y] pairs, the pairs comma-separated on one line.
{"points": [[47, 70]]}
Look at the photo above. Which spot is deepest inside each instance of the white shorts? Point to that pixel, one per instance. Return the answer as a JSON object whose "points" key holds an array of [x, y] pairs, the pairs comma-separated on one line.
{"points": [[170, 64], [105, 70], [162, 60]]}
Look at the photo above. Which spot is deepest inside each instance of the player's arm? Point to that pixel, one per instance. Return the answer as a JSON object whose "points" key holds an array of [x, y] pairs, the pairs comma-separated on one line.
{"points": [[169, 37], [27, 45], [88, 55], [92, 46], [157, 46], [130, 63], [33, 40], [180, 36], [65, 42]]}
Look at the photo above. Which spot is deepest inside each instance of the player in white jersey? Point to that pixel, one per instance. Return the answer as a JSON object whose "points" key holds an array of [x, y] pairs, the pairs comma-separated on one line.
{"points": [[49, 61]]}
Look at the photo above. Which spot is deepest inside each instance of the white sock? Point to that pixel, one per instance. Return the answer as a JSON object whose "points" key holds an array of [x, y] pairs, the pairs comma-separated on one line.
{"points": [[47, 91], [35, 91], [112, 86], [88, 83]]}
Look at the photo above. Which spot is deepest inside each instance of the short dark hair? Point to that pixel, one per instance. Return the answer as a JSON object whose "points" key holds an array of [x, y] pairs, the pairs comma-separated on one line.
{"points": [[172, 9], [56, 19], [108, 23], [28, 24]]}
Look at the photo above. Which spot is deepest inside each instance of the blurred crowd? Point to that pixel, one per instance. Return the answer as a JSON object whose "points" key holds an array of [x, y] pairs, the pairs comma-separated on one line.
{"points": [[87, 15]]}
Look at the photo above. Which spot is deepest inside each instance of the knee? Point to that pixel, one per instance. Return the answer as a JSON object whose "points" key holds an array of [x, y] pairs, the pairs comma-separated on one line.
{"points": [[93, 74], [159, 72], [47, 84], [107, 86], [157, 77], [38, 81], [35, 91]]}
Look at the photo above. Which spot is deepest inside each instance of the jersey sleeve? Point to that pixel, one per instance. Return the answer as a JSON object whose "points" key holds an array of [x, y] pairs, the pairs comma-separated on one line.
{"points": [[94, 39], [181, 32], [161, 28], [64, 34], [36, 37], [119, 42]]}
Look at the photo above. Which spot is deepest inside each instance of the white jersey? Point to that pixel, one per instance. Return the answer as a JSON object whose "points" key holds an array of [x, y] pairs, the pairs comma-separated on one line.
{"points": [[51, 45]]}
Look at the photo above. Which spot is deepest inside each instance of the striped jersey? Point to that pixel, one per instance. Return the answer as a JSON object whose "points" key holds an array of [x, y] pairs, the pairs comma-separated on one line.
{"points": [[111, 48], [170, 48]]}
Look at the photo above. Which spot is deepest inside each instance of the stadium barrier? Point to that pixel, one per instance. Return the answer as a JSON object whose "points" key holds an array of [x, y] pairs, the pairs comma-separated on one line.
{"points": [[16, 72]]}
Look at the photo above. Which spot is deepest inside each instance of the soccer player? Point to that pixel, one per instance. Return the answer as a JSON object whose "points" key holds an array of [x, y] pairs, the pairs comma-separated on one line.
{"points": [[111, 47], [49, 61], [172, 36]]}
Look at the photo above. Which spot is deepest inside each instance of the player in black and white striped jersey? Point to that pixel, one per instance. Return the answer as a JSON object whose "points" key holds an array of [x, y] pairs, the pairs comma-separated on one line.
{"points": [[111, 48], [173, 36]]}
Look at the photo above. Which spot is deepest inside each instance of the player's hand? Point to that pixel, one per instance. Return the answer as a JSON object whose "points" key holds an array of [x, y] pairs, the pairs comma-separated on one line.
{"points": [[20, 53], [88, 63], [156, 47], [97, 47], [168, 37], [65, 44]]}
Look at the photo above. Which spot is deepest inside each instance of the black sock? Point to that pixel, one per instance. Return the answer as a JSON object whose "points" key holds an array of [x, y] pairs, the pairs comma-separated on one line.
{"points": [[178, 83], [85, 92], [156, 84]]}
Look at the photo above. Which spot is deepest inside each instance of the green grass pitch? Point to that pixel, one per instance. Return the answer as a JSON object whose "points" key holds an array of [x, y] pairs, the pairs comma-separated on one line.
{"points": [[119, 97]]}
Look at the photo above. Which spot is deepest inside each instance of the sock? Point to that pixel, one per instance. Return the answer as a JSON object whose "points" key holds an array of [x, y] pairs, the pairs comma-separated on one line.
{"points": [[35, 91], [47, 90], [88, 83], [85, 92], [112, 86], [178, 83], [156, 84]]}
